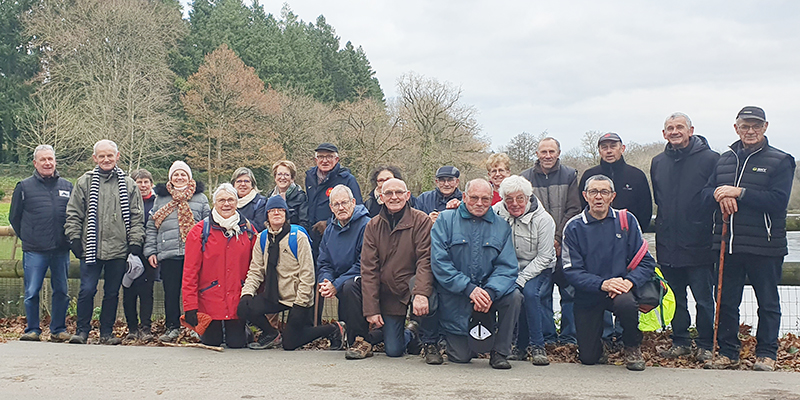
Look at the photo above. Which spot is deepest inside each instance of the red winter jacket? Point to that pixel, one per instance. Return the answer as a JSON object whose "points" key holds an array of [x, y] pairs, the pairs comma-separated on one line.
{"points": [[212, 280]]}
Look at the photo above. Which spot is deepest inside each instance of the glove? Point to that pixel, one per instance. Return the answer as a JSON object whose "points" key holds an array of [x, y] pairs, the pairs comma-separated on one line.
{"points": [[191, 317], [244, 306], [135, 249], [77, 248], [319, 227]]}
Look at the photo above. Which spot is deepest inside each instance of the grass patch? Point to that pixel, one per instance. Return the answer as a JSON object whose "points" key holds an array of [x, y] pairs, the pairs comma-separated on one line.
{"points": [[4, 208]]}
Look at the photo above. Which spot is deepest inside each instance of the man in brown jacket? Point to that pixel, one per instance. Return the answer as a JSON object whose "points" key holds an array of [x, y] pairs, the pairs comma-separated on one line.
{"points": [[396, 272]]}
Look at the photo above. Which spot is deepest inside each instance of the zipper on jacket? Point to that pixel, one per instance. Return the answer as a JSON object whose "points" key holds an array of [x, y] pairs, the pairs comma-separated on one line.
{"points": [[215, 283], [768, 225]]}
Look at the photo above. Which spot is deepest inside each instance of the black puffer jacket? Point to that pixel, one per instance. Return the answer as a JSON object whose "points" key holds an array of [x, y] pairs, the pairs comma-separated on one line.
{"points": [[630, 183], [38, 212], [683, 225]]}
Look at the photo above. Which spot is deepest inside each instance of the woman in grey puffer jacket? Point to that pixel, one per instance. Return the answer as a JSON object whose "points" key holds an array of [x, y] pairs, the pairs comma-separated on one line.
{"points": [[179, 206]]}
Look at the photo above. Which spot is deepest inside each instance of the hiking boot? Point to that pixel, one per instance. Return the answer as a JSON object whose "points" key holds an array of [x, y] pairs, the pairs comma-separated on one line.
{"points": [[517, 354], [414, 346], [676, 351], [433, 355], [722, 362], [633, 359], [170, 335], [132, 335], [79, 338], [498, 361], [360, 350], [538, 355], [764, 364], [145, 335], [702, 355], [110, 340], [31, 336], [60, 337], [338, 338], [266, 341]]}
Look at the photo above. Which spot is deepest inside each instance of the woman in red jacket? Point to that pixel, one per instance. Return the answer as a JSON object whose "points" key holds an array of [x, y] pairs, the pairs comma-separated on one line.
{"points": [[215, 267]]}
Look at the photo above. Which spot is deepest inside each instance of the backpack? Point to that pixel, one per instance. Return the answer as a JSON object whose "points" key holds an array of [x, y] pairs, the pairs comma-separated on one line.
{"points": [[659, 316], [292, 239], [207, 231]]}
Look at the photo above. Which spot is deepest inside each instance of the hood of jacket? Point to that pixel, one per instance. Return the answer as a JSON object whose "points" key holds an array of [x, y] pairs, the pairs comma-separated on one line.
{"points": [[697, 144], [532, 212], [161, 189], [359, 212]]}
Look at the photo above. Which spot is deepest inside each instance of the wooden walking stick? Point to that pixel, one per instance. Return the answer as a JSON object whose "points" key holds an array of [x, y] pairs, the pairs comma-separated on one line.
{"points": [[722, 246]]}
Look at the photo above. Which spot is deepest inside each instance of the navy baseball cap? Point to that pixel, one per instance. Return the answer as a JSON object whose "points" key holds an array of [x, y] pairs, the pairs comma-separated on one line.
{"points": [[448, 171], [327, 147], [752, 112], [609, 137]]}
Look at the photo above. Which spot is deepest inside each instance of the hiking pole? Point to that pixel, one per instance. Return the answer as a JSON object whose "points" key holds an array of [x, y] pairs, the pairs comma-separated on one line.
{"points": [[719, 285]]}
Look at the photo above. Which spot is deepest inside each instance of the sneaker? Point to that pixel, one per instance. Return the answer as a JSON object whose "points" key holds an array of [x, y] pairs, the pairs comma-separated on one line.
{"points": [[721, 362], [539, 356], [498, 361], [360, 350], [132, 335], [79, 338], [338, 338], [31, 336], [170, 336], [517, 354], [764, 364], [266, 341], [676, 351], [433, 355], [702, 355], [145, 335], [60, 337], [633, 359], [110, 340]]}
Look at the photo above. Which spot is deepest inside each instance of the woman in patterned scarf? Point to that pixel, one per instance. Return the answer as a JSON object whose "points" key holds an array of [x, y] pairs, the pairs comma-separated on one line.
{"points": [[179, 206]]}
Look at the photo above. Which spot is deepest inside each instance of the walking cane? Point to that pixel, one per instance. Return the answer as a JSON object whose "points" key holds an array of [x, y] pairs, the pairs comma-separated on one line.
{"points": [[719, 285]]}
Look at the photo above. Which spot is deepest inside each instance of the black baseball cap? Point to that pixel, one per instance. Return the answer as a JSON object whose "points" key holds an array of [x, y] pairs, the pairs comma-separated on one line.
{"points": [[327, 147], [752, 112], [448, 171], [609, 137]]}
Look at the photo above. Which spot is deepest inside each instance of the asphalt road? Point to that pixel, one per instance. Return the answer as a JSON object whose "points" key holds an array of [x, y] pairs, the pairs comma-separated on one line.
{"points": [[64, 371]]}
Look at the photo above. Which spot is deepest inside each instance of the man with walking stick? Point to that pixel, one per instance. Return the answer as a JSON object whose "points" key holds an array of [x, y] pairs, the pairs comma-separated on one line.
{"points": [[751, 183]]}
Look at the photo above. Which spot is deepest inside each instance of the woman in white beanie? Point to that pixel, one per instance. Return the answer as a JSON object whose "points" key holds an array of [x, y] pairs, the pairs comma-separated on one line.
{"points": [[179, 206]]}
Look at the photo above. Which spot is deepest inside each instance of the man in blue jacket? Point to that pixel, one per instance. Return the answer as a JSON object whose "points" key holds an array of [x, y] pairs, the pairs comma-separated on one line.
{"points": [[751, 184], [446, 195], [596, 252], [340, 260], [320, 180], [37, 214], [475, 266]]}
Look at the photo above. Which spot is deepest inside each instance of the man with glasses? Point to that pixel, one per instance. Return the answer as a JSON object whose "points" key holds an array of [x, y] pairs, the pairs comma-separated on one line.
{"points": [[339, 260], [683, 241], [596, 252], [475, 266], [751, 184], [396, 274], [446, 195]]}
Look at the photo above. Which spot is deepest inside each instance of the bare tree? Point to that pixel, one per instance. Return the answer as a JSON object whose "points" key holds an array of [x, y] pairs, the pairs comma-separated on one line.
{"points": [[522, 150]]}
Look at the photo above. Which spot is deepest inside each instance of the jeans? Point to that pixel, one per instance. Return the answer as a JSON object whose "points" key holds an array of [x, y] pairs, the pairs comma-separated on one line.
{"points": [[764, 274], [531, 319], [567, 293], [589, 325], [113, 271], [35, 265], [172, 279], [395, 336], [700, 280], [141, 289]]}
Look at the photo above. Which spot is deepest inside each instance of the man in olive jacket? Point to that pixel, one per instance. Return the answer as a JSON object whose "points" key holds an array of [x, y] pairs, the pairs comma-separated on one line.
{"points": [[105, 223], [397, 251]]}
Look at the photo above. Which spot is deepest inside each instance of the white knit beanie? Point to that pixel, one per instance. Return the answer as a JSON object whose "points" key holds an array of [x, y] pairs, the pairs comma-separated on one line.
{"points": [[180, 165]]}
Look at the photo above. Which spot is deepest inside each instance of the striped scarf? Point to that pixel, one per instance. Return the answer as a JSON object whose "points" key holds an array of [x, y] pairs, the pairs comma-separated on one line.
{"points": [[91, 212]]}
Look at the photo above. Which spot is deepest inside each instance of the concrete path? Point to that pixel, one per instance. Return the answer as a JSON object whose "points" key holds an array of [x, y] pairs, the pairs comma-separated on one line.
{"points": [[64, 371]]}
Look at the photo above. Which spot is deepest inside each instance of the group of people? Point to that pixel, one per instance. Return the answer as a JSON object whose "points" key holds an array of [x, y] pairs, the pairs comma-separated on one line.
{"points": [[474, 270]]}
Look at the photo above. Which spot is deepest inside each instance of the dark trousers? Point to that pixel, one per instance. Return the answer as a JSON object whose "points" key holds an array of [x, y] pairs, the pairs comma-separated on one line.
{"points": [[231, 331], [113, 271], [351, 312], [507, 309], [700, 280], [299, 329], [589, 325], [141, 289], [764, 274], [172, 279]]}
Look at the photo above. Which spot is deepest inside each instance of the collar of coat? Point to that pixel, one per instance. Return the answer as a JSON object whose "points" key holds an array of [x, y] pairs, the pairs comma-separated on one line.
{"points": [[588, 218], [406, 221], [488, 217]]}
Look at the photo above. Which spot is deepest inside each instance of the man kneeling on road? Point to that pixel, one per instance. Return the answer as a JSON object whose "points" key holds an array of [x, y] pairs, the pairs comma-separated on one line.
{"points": [[596, 252]]}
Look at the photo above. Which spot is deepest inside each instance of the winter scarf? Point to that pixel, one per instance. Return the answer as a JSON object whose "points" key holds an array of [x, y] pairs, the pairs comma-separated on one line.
{"points": [[180, 201], [91, 212], [247, 199], [231, 225]]}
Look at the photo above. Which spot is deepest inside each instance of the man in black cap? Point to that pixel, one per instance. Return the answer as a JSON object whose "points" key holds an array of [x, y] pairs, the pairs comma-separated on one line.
{"points": [[446, 195], [751, 185]]}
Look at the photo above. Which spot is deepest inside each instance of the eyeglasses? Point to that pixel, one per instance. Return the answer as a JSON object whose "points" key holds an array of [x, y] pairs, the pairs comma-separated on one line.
{"points": [[391, 193], [226, 201], [340, 204], [446, 180], [283, 175], [276, 211], [518, 199], [746, 128], [329, 157], [595, 192], [243, 181], [476, 199]]}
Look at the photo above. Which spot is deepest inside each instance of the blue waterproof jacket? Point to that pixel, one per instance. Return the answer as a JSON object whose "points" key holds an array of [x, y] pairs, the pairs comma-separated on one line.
{"points": [[596, 250], [340, 249], [319, 208], [466, 252], [433, 200]]}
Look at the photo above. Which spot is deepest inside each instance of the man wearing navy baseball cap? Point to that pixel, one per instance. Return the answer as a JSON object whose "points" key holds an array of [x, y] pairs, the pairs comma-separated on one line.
{"points": [[446, 195]]}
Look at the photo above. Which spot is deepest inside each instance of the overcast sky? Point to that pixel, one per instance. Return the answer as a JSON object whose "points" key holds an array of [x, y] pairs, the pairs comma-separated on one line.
{"points": [[573, 66]]}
